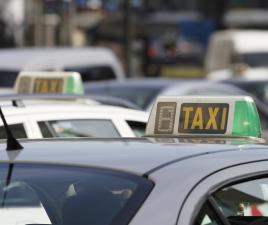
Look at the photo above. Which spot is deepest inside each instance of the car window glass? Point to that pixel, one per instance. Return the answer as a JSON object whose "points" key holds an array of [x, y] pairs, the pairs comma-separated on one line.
{"points": [[255, 59], [245, 203], [18, 131], [93, 72], [8, 77], [137, 127], [78, 128], [46, 129], [46, 194], [206, 216]]}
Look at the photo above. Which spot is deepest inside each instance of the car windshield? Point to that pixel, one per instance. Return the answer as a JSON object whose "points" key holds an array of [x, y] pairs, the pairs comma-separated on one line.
{"points": [[62, 195]]}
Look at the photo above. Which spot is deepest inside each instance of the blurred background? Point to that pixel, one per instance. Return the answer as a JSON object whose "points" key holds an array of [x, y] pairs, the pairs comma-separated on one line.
{"points": [[151, 38], [136, 50]]}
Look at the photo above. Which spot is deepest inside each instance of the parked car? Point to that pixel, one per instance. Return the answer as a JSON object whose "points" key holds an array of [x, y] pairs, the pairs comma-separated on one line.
{"points": [[143, 92], [92, 63], [216, 174], [232, 48]]}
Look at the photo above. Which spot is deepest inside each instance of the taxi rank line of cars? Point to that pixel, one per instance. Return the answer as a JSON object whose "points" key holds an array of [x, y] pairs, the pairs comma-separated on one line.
{"points": [[202, 162], [143, 92], [46, 116]]}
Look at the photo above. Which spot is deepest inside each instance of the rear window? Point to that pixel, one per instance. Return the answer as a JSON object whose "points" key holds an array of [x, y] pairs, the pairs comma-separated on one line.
{"points": [[17, 130], [8, 78], [78, 128], [93, 73], [46, 194]]}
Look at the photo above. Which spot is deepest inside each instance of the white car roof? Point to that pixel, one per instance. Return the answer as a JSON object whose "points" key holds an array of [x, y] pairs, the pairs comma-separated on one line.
{"points": [[67, 107]]}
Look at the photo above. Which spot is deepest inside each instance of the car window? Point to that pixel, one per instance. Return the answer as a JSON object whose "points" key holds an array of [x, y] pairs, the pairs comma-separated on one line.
{"points": [[46, 194], [18, 131], [206, 216], [93, 72], [255, 59], [78, 128], [137, 127], [8, 77], [245, 203], [247, 199]]}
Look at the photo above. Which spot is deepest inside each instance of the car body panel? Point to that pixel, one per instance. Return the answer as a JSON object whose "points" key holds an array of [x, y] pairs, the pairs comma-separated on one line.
{"points": [[137, 155], [251, 169], [31, 114], [190, 164]]}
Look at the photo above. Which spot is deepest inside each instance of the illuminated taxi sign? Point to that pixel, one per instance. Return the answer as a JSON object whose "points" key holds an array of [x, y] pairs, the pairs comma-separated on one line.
{"points": [[49, 83], [204, 116]]}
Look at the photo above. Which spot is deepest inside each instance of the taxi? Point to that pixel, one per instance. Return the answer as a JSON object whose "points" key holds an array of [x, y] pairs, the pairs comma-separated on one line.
{"points": [[45, 115], [202, 162]]}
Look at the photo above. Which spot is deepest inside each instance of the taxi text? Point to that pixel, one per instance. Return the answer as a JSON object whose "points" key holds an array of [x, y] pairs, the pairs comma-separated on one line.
{"points": [[203, 118]]}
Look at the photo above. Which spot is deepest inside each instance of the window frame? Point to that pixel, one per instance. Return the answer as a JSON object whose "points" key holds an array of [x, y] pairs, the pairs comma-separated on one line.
{"points": [[203, 191], [212, 200], [144, 185], [53, 132], [119, 121]]}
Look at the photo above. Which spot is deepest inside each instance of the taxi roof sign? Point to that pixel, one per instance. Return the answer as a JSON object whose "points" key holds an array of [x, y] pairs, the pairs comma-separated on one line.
{"points": [[42, 82], [230, 116]]}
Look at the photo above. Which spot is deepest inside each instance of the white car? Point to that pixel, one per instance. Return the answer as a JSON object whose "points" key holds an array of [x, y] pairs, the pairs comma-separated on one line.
{"points": [[71, 118], [92, 63], [49, 113], [233, 48]]}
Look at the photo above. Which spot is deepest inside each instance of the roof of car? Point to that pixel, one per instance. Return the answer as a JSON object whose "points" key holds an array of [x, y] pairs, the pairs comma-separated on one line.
{"points": [[45, 106], [138, 155], [19, 99], [24, 58]]}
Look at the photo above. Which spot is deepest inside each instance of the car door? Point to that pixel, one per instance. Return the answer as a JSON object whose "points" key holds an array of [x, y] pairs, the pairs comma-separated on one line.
{"points": [[231, 196]]}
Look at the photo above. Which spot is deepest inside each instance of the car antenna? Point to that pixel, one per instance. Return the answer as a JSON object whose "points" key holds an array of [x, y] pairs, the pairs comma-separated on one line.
{"points": [[12, 143]]}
